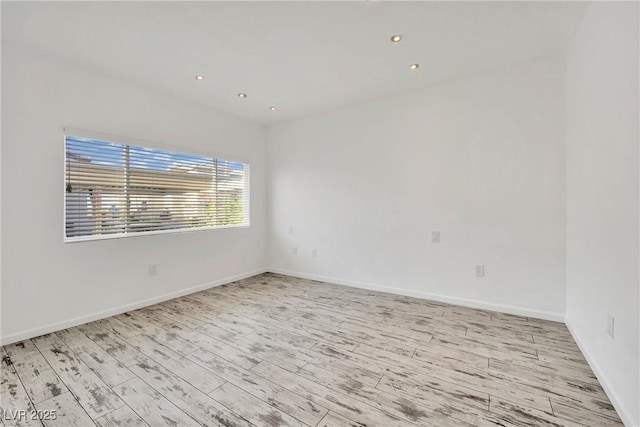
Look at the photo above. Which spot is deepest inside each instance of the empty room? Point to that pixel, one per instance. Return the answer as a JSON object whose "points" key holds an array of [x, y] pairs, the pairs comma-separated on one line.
{"points": [[320, 214]]}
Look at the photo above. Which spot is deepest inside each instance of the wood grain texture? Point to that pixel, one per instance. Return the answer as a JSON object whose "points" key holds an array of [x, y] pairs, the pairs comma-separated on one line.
{"points": [[189, 399], [258, 412], [279, 397], [151, 406], [13, 396], [93, 394], [274, 350], [39, 380], [98, 360], [123, 417], [69, 413]]}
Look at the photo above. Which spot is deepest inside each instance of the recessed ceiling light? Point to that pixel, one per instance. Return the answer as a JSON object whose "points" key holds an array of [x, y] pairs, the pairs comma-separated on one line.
{"points": [[414, 66], [272, 108], [242, 95], [396, 38], [199, 77]]}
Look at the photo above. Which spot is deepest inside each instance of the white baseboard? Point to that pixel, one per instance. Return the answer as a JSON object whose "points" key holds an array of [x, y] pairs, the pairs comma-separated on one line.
{"points": [[613, 397], [519, 311], [35, 332]]}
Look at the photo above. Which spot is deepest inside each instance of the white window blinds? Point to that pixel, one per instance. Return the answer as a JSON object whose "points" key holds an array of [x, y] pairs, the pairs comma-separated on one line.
{"points": [[114, 189]]}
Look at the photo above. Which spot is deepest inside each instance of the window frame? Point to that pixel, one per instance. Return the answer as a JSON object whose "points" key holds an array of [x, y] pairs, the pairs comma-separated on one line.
{"points": [[68, 131]]}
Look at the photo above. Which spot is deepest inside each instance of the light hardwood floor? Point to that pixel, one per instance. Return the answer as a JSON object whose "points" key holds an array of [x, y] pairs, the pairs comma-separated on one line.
{"points": [[274, 350]]}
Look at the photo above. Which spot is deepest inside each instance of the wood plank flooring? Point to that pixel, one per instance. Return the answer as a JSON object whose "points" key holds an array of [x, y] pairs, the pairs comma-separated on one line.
{"points": [[279, 351]]}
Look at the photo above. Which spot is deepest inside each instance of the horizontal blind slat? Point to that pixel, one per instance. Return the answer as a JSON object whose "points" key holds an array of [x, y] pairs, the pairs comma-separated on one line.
{"points": [[115, 188]]}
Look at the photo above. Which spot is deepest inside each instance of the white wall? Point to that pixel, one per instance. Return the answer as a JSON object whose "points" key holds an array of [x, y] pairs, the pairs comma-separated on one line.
{"points": [[602, 198], [46, 283], [482, 160]]}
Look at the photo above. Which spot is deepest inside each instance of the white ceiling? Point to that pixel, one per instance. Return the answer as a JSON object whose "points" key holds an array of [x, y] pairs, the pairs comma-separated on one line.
{"points": [[303, 57]]}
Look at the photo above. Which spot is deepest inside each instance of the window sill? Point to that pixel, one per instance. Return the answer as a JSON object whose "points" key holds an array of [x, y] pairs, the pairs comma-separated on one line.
{"points": [[148, 233]]}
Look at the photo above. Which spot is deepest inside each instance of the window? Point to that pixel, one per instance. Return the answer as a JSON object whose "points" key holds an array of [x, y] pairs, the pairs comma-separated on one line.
{"points": [[114, 190]]}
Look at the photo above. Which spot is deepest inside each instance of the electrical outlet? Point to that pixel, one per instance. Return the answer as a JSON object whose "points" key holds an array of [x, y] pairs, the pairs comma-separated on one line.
{"points": [[290, 229], [435, 237], [611, 326], [479, 270], [153, 269], [294, 251], [314, 252]]}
